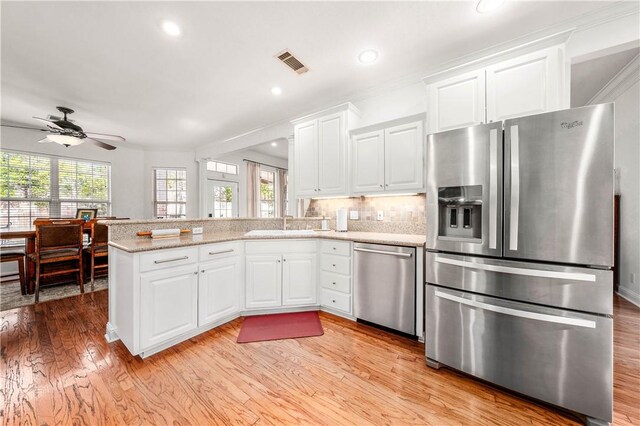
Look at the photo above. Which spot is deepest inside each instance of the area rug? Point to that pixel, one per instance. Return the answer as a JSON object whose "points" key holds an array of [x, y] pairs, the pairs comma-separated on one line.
{"points": [[259, 328], [10, 296]]}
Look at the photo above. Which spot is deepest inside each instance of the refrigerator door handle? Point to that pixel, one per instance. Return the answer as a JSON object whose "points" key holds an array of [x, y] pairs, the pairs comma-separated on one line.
{"points": [[515, 189], [493, 187], [517, 312], [574, 276]]}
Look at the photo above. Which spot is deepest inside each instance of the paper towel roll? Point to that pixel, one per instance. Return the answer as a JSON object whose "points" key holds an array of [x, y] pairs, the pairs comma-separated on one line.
{"points": [[159, 233]]}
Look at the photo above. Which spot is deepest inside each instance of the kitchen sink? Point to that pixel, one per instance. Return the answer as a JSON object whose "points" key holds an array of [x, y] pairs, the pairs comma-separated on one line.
{"points": [[280, 233]]}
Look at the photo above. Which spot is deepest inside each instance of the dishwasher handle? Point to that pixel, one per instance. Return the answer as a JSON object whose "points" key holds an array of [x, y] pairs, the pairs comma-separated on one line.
{"points": [[390, 253]]}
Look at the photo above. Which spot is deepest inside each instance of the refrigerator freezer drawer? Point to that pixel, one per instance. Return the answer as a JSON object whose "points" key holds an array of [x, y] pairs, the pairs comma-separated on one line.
{"points": [[563, 358], [580, 289]]}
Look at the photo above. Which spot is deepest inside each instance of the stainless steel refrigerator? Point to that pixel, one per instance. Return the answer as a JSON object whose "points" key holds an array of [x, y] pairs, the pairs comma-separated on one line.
{"points": [[519, 256]]}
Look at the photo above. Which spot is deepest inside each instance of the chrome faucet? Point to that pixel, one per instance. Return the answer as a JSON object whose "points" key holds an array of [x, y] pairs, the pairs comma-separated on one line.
{"points": [[284, 221]]}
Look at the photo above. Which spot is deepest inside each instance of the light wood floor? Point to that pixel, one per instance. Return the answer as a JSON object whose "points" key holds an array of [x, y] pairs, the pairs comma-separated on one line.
{"points": [[58, 369]]}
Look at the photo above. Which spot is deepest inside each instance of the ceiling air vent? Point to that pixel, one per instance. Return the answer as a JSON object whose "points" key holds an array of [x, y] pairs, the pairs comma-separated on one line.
{"points": [[292, 62]]}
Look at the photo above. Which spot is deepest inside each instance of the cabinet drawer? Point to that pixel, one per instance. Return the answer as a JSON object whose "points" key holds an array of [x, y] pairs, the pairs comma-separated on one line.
{"points": [[336, 300], [280, 246], [339, 248], [339, 264], [219, 251], [161, 259], [337, 282]]}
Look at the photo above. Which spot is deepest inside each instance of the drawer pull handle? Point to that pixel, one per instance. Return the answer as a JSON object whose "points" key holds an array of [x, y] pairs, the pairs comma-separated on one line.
{"points": [[175, 259], [213, 253], [334, 265], [334, 283], [579, 322], [196, 273], [390, 253], [334, 300], [334, 248]]}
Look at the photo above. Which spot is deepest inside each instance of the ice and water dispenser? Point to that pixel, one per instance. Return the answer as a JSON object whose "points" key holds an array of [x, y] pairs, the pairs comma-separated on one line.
{"points": [[460, 209]]}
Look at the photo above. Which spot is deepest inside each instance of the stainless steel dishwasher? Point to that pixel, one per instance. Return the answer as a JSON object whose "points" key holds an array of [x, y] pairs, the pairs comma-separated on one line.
{"points": [[385, 286]]}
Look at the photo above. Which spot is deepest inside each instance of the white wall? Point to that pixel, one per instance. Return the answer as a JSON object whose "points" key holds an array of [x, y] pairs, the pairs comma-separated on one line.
{"points": [[627, 160], [127, 186]]}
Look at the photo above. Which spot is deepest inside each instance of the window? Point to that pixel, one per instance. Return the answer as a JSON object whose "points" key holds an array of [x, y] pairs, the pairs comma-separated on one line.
{"points": [[170, 193], [34, 185], [267, 194], [83, 184], [219, 166]]}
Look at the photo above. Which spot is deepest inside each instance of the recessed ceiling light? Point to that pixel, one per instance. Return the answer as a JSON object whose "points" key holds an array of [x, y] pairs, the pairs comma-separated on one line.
{"points": [[274, 143], [368, 56], [171, 28], [486, 6], [276, 91]]}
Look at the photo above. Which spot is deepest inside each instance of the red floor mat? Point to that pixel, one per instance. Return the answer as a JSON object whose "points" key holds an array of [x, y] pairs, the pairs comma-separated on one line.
{"points": [[280, 326]]}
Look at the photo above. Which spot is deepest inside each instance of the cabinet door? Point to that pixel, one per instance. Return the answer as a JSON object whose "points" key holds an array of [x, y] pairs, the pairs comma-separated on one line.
{"points": [[299, 279], [263, 281], [219, 290], [332, 155], [306, 158], [457, 102], [368, 162], [404, 158], [526, 85], [169, 304]]}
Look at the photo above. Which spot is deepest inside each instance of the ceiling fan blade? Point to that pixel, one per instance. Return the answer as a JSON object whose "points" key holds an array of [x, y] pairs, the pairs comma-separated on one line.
{"points": [[49, 123], [45, 140], [106, 137], [24, 127], [101, 144]]}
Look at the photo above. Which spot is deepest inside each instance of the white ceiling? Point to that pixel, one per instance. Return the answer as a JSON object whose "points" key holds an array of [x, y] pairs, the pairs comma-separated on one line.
{"points": [[587, 78], [112, 63], [280, 150]]}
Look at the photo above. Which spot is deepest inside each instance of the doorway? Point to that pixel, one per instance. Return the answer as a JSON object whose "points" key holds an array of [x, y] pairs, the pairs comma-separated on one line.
{"points": [[222, 198]]}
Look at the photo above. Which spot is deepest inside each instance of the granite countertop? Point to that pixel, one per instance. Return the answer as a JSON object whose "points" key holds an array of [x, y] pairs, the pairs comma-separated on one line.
{"points": [[147, 244]]}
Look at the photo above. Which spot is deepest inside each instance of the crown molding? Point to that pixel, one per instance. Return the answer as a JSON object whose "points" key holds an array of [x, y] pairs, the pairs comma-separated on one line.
{"points": [[620, 83]]}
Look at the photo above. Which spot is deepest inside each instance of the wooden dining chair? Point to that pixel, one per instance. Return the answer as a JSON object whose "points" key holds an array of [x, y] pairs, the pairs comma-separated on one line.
{"points": [[98, 249], [15, 254], [58, 250]]}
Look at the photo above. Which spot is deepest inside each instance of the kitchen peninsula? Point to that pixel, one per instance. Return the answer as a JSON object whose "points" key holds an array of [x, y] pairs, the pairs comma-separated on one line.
{"points": [[164, 291]]}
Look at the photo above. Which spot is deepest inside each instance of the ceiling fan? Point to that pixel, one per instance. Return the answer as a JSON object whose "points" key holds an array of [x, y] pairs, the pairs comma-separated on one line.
{"points": [[65, 132]]}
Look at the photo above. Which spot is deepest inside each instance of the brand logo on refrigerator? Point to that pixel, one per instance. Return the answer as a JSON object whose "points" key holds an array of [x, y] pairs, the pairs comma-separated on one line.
{"points": [[570, 125]]}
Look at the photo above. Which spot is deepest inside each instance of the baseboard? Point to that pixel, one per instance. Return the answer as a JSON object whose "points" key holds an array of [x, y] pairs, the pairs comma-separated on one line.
{"points": [[629, 295]]}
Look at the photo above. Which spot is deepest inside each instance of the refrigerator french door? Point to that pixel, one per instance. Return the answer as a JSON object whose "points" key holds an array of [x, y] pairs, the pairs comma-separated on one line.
{"points": [[519, 250], [558, 187]]}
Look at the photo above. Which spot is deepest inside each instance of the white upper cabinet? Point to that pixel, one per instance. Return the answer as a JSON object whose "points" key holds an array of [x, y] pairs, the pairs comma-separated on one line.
{"points": [[526, 85], [457, 101], [306, 158], [388, 157], [320, 152], [367, 162], [403, 153], [532, 83]]}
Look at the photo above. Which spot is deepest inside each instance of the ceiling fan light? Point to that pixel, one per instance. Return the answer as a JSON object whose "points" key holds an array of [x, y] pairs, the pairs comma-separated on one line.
{"points": [[65, 140]]}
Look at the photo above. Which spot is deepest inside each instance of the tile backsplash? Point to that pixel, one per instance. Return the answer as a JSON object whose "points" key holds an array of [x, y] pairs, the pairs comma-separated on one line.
{"points": [[407, 210]]}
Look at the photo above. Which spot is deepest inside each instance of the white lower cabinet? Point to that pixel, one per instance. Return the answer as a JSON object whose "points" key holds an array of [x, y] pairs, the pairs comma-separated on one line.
{"points": [[280, 274], [169, 304], [264, 281], [219, 289], [335, 276], [299, 279]]}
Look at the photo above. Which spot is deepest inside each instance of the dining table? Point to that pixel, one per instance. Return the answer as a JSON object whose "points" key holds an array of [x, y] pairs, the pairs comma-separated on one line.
{"points": [[28, 234]]}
